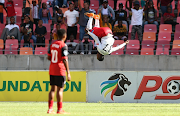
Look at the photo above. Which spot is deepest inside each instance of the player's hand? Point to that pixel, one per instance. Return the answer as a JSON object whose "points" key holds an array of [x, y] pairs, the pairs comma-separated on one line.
{"points": [[127, 42], [69, 76]]}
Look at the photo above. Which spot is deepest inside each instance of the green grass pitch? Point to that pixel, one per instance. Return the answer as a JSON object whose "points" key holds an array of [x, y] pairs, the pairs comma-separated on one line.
{"points": [[90, 109]]}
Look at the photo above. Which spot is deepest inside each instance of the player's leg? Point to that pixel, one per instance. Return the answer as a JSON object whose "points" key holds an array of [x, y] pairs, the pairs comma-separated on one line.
{"points": [[96, 17], [89, 23], [94, 37], [61, 80]]}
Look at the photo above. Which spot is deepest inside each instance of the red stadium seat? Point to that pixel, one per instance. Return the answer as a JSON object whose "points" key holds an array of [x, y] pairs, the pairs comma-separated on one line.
{"points": [[64, 10], [132, 51], [63, 27], [11, 43], [2, 26], [48, 36], [133, 44], [1, 46], [48, 27], [40, 51], [150, 28], [175, 52], [161, 51], [177, 29], [51, 12], [11, 51], [163, 44], [148, 44], [147, 51], [118, 52], [130, 28], [46, 43], [165, 28], [176, 44], [118, 42], [177, 36], [164, 36], [178, 19], [149, 36], [26, 51], [18, 11]]}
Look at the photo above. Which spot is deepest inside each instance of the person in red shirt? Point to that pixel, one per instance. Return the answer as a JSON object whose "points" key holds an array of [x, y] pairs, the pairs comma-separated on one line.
{"points": [[10, 10], [164, 5], [169, 17], [57, 54]]}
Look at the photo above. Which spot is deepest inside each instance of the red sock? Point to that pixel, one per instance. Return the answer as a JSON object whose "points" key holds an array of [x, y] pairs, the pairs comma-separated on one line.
{"points": [[59, 105], [50, 103]]}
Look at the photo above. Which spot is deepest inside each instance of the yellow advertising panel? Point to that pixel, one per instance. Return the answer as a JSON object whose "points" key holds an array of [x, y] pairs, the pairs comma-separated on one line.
{"points": [[35, 86]]}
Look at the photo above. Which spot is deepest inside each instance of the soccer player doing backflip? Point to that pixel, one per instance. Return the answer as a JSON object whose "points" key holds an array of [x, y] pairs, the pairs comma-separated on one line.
{"points": [[103, 37]]}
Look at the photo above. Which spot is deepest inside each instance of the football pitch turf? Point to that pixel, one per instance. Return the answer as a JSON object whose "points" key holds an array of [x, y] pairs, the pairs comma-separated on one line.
{"points": [[90, 109]]}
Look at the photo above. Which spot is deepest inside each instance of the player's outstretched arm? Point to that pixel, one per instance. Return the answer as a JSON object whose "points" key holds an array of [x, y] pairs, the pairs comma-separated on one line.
{"points": [[119, 47], [66, 64]]}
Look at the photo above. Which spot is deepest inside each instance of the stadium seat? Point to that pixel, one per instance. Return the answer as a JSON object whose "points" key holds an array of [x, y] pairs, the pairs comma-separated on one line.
{"points": [[2, 26], [130, 28], [64, 10], [18, 19], [177, 36], [18, 3], [40, 51], [132, 52], [150, 28], [133, 44], [163, 44], [164, 36], [94, 5], [1, 46], [177, 28], [47, 36], [63, 27], [76, 41], [26, 51], [147, 51], [175, 52], [18, 11], [148, 44], [118, 52], [149, 36], [11, 43], [22, 43], [117, 42], [46, 43], [48, 27], [11, 51], [51, 11], [178, 19], [176, 44], [165, 28], [161, 51]]}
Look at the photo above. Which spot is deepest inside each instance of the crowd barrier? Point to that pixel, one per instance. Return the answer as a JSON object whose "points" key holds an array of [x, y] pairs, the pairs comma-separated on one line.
{"points": [[94, 86]]}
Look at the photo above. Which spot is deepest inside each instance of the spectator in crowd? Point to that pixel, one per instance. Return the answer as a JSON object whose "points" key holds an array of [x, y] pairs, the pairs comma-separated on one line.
{"points": [[10, 10], [100, 2], [11, 31], [85, 46], [1, 10], [27, 38], [169, 17], [44, 13], [72, 46], [72, 17], [83, 19], [136, 20], [76, 7], [164, 5], [54, 31], [121, 14], [35, 10], [151, 14], [28, 24], [120, 31], [59, 16], [104, 20], [107, 10], [40, 32]]}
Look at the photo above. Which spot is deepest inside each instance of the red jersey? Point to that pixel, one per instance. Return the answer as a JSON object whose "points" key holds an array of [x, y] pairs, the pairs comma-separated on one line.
{"points": [[10, 9], [58, 51], [101, 31]]}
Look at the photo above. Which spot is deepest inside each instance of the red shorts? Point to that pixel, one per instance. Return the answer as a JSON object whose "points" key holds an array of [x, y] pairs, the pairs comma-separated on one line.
{"points": [[101, 31]]}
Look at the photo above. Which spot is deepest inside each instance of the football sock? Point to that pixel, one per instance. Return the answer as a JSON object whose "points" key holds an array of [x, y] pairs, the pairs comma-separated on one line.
{"points": [[59, 105], [50, 103]]}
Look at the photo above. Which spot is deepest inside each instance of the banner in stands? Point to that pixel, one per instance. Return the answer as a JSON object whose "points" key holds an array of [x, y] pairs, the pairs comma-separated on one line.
{"points": [[133, 86], [35, 86]]}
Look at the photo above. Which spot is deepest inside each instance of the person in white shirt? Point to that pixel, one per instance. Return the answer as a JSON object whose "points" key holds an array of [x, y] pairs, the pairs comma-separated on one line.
{"points": [[106, 41], [136, 19], [72, 17], [11, 31]]}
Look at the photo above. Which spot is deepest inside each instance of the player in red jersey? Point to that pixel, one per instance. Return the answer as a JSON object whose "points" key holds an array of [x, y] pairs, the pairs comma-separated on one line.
{"points": [[57, 54]]}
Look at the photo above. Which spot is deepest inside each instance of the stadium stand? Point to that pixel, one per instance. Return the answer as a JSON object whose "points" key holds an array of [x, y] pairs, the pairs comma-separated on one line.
{"points": [[40, 51], [150, 28], [161, 51], [147, 44], [163, 44], [147, 51], [164, 36], [26, 51], [149, 36], [118, 52]]}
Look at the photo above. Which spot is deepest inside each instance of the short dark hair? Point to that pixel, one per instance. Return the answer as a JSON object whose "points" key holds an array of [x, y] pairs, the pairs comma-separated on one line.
{"points": [[61, 33], [101, 58]]}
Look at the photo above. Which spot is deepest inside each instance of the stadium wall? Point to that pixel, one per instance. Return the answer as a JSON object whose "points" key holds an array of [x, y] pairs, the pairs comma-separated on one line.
{"points": [[94, 86], [89, 62]]}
